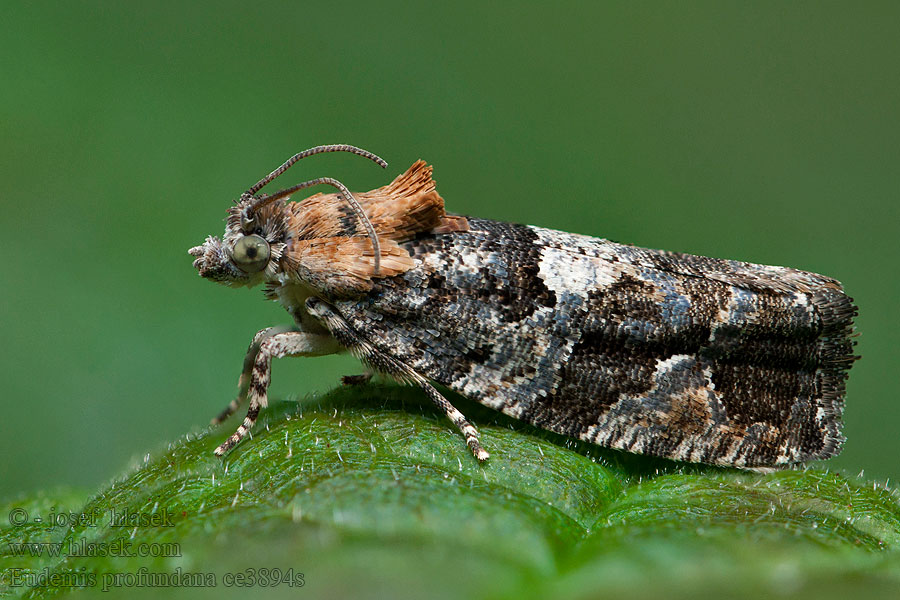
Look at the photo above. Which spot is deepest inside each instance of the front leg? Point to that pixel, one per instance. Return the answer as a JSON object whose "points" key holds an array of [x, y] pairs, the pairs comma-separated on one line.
{"points": [[244, 379], [269, 345], [361, 379]]}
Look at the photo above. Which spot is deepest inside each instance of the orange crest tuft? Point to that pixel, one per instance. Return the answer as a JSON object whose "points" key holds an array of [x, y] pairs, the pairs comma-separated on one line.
{"points": [[331, 251]]}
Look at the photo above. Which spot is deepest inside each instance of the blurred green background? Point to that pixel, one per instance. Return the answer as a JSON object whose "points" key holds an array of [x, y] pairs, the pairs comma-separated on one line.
{"points": [[765, 132]]}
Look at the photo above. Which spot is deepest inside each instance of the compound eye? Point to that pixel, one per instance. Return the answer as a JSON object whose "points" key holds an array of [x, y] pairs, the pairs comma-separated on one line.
{"points": [[251, 253]]}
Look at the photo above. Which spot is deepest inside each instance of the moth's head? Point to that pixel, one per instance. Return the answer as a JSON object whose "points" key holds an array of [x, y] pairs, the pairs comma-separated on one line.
{"points": [[257, 232], [250, 252]]}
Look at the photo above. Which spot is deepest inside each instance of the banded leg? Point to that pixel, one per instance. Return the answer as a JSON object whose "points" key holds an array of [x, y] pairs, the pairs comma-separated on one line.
{"points": [[385, 363], [277, 345], [244, 379]]}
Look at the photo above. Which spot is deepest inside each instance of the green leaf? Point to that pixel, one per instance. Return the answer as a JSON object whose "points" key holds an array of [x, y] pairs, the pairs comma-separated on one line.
{"points": [[371, 493]]}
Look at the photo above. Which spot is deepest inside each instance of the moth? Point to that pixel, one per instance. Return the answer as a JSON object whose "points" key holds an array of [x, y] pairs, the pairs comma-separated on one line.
{"points": [[662, 353]]}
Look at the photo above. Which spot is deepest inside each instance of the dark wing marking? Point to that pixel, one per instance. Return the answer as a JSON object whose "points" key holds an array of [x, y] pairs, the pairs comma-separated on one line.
{"points": [[669, 354]]}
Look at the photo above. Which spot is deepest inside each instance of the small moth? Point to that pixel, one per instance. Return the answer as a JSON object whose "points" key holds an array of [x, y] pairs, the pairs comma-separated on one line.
{"points": [[680, 356]]}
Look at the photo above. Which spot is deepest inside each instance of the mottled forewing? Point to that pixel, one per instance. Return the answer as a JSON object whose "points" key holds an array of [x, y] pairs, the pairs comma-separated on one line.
{"points": [[674, 355]]}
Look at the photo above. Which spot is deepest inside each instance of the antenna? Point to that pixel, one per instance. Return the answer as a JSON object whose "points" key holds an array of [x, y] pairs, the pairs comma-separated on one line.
{"points": [[257, 202]]}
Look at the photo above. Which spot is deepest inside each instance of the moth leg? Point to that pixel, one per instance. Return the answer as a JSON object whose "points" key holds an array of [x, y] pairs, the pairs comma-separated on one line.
{"points": [[361, 379], [468, 430], [387, 364], [277, 345], [244, 379]]}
